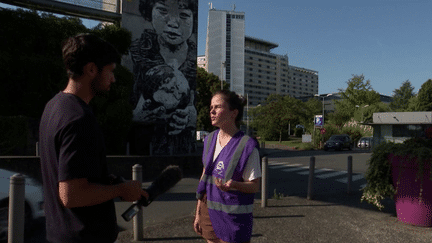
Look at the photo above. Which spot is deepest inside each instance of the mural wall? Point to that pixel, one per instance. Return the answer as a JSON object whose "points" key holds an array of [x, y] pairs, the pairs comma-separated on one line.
{"points": [[163, 59]]}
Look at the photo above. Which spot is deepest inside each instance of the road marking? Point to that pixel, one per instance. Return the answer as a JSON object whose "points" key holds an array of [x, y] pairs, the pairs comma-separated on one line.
{"points": [[276, 163], [354, 178], [283, 166], [277, 166], [304, 170], [317, 171], [334, 174], [295, 169]]}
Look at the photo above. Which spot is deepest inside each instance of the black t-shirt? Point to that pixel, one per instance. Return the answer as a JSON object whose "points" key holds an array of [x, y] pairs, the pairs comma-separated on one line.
{"points": [[72, 147]]}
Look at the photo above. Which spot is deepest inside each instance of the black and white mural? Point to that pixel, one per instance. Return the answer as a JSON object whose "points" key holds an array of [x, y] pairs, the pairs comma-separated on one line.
{"points": [[164, 66]]}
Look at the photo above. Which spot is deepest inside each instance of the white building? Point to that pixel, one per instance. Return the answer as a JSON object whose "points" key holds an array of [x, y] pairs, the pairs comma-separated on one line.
{"points": [[225, 47], [247, 64], [398, 126]]}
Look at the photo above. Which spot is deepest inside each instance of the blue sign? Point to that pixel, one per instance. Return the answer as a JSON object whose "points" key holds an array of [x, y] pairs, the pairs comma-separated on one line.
{"points": [[319, 120]]}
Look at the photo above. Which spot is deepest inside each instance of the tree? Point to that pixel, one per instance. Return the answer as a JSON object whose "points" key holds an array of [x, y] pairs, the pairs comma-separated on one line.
{"points": [[413, 104], [425, 96], [359, 93], [33, 72], [365, 114], [207, 84], [402, 96], [312, 107], [274, 116]]}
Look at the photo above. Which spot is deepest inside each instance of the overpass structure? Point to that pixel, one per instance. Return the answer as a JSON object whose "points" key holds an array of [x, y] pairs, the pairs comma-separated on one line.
{"points": [[101, 10]]}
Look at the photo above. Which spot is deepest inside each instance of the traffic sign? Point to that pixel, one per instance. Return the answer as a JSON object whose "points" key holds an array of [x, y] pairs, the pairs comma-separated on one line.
{"points": [[319, 120]]}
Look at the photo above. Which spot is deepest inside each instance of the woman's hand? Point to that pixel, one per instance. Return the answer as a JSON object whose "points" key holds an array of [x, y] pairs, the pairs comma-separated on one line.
{"points": [[196, 225], [225, 187]]}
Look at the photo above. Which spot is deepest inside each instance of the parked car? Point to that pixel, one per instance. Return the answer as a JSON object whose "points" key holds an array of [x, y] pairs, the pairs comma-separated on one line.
{"points": [[33, 202], [339, 142], [365, 143]]}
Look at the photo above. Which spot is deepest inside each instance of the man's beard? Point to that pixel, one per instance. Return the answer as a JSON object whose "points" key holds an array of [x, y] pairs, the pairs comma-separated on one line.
{"points": [[96, 88]]}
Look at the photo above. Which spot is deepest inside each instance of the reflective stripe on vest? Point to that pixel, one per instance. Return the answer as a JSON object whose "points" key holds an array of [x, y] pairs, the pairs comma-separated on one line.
{"points": [[230, 209], [235, 158], [209, 139]]}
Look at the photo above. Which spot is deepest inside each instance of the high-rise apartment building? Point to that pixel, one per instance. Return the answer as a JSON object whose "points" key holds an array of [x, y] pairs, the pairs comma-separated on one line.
{"points": [[225, 47], [248, 65]]}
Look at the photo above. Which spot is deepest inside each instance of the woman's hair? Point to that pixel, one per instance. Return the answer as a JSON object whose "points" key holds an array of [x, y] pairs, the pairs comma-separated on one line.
{"points": [[235, 102], [146, 8], [85, 48]]}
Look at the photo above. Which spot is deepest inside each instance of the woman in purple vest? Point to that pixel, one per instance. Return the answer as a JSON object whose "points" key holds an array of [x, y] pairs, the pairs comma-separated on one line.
{"points": [[231, 175]]}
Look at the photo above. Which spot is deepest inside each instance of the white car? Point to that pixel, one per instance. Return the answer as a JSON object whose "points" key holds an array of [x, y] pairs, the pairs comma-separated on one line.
{"points": [[33, 201]]}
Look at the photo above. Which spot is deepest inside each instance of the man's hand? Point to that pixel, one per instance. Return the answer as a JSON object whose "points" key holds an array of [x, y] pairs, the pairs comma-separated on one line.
{"points": [[132, 191]]}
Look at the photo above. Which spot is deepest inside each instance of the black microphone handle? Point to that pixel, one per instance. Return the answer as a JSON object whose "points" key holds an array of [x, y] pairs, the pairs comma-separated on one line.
{"points": [[133, 209]]}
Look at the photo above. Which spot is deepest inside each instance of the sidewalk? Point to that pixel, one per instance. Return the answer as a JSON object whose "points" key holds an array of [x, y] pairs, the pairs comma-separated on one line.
{"points": [[338, 218]]}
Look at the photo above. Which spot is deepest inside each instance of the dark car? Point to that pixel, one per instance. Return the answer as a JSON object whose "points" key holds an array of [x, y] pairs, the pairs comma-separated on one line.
{"points": [[365, 143], [338, 142]]}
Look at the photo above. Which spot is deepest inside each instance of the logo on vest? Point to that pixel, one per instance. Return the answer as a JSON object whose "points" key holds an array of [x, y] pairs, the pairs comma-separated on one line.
{"points": [[220, 168]]}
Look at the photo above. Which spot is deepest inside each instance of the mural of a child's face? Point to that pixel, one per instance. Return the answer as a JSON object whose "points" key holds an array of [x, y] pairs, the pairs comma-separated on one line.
{"points": [[172, 21]]}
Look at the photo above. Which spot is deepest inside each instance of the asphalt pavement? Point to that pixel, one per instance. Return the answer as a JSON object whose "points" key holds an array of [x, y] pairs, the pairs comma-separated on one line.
{"points": [[332, 216]]}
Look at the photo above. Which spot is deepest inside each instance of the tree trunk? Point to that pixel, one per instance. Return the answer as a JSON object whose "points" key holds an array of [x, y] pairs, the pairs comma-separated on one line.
{"points": [[280, 136]]}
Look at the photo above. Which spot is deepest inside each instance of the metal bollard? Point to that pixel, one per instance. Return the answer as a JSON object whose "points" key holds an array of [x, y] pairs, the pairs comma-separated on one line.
{"points": [[311, 178], [138, 225], [349, 174], [16, 209], [264, 182]]}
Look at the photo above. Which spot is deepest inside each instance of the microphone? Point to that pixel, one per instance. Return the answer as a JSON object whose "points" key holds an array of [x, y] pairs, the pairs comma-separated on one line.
{"points": [[167, 179]]}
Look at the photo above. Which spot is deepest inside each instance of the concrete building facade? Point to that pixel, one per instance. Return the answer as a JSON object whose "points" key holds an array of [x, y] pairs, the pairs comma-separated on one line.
{"points": [[225, 47]]}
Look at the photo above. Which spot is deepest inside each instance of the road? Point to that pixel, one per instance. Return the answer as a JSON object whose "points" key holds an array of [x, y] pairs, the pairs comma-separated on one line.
{"points": [[288, 174], [289, 171]]}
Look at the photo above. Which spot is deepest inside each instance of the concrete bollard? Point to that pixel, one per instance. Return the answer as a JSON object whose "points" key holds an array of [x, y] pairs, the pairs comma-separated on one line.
{"points": [[349, 174], [138, 225], [311, 177], [37, 148], [264, 181], [16, 209]]}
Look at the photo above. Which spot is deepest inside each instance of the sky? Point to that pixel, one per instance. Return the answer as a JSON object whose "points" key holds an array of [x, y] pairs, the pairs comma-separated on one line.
{"points": [[388, 41]]}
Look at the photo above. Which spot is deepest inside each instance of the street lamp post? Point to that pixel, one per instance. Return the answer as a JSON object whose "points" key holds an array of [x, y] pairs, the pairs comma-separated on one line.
{"points": [[223, 65], [247, 113], [323, 97]]}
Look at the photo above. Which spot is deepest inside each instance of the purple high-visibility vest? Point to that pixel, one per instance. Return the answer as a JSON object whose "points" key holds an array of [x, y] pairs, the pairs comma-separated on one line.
{"points": [[230, 212]]}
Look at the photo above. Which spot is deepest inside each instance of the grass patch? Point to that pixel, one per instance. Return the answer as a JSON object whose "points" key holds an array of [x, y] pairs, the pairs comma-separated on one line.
{"points": [[293, 142]]}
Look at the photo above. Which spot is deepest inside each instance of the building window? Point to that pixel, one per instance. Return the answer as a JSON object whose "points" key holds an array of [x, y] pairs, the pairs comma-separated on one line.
{"points": [[407, 130]]}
